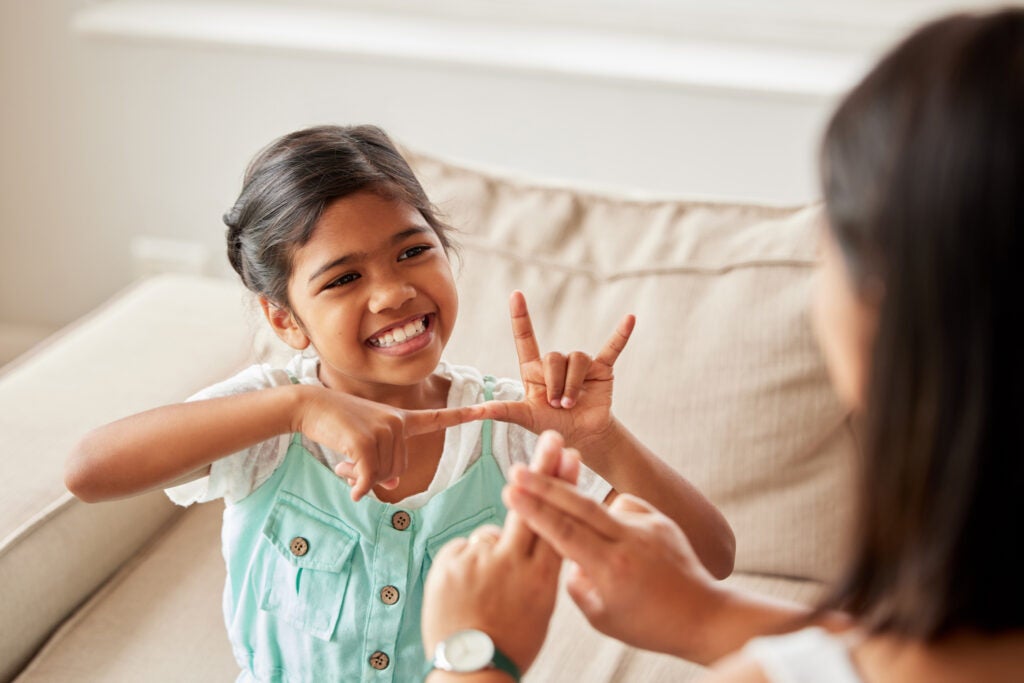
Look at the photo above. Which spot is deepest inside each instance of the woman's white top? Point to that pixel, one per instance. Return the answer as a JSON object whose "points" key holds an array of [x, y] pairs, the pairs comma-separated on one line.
{"points": [[812, 655]]}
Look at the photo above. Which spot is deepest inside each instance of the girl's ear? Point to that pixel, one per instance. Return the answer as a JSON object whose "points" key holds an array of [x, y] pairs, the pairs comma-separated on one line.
{"points": [[285, 325]]}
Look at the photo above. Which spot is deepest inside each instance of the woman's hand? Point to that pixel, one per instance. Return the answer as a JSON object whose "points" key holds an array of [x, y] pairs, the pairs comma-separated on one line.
{"points": [[571, 394], [371, 435], [634, 573], [500, 581]]}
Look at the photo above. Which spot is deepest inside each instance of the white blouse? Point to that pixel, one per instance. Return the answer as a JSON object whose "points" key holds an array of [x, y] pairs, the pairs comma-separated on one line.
{"points": [[812, 655]]}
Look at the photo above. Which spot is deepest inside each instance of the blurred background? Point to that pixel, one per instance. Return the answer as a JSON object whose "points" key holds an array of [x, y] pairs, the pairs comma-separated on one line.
{"points": [[127, 124]]}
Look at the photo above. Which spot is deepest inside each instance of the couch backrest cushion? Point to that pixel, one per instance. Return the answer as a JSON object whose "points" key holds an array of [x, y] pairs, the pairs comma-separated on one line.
{"points": [[722, 378]]}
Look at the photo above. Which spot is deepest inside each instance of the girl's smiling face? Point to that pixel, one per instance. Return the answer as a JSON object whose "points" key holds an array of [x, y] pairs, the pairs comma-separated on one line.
{"points": [[373, 292]]}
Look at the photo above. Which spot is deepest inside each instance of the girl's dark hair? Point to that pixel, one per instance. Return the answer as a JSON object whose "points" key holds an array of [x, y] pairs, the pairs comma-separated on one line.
{"points": [[923, 173], [290, 183]]}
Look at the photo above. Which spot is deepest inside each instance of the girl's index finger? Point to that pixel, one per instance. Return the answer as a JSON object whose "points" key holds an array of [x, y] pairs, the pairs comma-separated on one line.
{"points": [[609, 353], [522, 329], [434, 420]]}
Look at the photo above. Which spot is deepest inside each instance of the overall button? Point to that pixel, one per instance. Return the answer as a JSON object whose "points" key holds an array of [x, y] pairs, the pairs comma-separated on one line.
{"points": [[299, 546], [389, 595], [379, 660], [401, 520]]}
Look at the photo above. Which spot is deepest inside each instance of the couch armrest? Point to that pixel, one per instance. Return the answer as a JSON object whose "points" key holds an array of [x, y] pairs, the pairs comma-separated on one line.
{"points": [[155, 343]]}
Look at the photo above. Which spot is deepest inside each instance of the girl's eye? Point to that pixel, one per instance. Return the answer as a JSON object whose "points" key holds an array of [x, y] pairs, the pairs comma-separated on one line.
{"points": [[414, 251], [343, 280]]}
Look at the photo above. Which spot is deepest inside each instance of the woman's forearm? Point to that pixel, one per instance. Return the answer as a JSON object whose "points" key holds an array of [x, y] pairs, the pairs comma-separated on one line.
{"points": [[631, 467], [732, 617], [165, 444]]}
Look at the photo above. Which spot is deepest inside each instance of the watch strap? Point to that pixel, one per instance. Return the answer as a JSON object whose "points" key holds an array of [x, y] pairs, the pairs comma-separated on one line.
{"points": [[499, 661], [502, 662]]}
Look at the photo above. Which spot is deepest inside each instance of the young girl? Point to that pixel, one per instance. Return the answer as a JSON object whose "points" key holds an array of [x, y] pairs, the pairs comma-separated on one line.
{"points": [[920, 314], [349, 262]]}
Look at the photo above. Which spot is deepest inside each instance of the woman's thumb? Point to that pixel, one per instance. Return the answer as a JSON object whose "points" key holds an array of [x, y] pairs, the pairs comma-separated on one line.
{"points": [[625, 502]]}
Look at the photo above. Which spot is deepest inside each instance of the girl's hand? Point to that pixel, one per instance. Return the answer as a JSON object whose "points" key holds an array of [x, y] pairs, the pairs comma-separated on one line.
{"points": [[371, 435], [571, 394], [478, 582], [634, 574]]}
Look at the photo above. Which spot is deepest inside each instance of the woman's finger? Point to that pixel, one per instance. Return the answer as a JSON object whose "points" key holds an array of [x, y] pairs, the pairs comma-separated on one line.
{"points": [[569, 466], [576, 372], [609, 353], [569, 536], [566, 498], [554, 377], [583, 591], [519, 538]]}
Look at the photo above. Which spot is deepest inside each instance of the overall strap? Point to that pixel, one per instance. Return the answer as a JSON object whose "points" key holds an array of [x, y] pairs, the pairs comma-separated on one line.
{"points": [[486, 430], [297, 436]]}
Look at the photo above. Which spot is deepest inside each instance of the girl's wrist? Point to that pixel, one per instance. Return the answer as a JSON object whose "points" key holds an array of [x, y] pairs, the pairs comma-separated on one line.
{"points": [[597, 449], [299, 398]]}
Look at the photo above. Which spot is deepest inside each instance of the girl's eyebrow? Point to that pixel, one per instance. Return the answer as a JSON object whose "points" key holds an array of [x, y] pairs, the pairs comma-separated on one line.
{"points": [[362, 255]]}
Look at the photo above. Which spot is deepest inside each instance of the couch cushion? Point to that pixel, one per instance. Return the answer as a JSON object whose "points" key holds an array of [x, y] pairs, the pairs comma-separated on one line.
{"points": [[157, 343], [722, 377]]}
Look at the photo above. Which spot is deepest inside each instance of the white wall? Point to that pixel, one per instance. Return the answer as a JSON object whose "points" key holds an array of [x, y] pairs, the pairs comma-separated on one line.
{"points": [[103, 139]]}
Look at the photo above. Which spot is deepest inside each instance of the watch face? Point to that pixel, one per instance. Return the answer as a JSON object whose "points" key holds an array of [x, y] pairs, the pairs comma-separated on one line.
{"points": [[469, 650]]}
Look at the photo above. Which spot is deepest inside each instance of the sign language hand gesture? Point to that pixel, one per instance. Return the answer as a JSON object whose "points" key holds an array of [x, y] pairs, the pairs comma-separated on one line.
{"points": [[571, 394], [372, 435]]}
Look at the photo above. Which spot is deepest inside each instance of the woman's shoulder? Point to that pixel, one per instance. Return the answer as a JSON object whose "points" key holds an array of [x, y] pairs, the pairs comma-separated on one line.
{"points": [[736, 668], [804, 656]]}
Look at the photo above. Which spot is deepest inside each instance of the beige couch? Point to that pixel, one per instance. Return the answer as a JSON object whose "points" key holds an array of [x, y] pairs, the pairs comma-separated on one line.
{"points": [[722, 378]]}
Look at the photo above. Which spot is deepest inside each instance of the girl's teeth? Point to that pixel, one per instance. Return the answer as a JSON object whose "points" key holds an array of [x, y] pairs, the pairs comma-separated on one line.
{"points": [[401, 334]]}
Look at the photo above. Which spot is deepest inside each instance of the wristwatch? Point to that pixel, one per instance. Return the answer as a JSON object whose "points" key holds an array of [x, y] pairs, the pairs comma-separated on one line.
{"points": [[471, 650]]}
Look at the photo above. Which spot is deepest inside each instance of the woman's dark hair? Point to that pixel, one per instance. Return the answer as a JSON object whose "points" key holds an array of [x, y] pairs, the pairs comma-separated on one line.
{"points": [[290, 183], [923, 174]]}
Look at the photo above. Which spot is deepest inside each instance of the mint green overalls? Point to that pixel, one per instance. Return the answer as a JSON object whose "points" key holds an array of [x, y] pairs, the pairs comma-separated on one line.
{"points": [[323, 589]]}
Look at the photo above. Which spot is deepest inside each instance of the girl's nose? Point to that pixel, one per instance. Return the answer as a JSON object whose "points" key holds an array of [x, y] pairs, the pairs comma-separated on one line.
{"points": [[391, 295]]}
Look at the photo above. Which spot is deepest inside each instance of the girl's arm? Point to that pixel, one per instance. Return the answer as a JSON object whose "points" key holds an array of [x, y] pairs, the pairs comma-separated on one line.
{"points": [[630, 467], [175, 442], [572, 394]]}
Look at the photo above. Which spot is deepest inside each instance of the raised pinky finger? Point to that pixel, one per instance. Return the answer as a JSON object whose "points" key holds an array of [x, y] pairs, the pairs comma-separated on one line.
{"points": [[609, 353]]}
